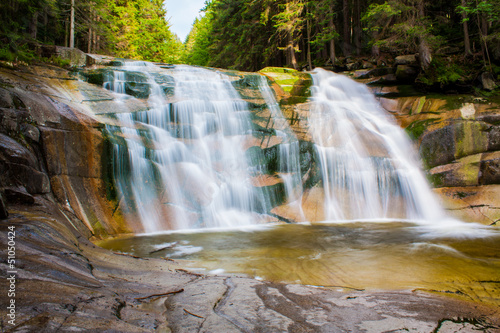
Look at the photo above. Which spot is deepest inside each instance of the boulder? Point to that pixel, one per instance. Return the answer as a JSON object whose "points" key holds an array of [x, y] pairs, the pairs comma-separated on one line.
{"points": [[455, 141], [487, 81], [409, 59], [75, 56], [31, 132], [406, 73], [367, 64], [463, 172], [438, 147]]}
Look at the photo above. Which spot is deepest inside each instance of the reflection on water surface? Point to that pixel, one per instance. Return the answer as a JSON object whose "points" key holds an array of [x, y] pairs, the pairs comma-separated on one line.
{"points": [[457, 259]]}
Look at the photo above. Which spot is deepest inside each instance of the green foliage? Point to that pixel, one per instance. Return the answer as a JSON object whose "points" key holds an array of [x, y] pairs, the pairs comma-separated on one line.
{"points": [[59, 62], [398, 26], [198, 41], [130, 29], [445, 71]]}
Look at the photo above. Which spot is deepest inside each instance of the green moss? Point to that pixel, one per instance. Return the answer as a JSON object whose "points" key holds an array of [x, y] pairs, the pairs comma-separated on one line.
{"points": [[471, 137], [278, 70], [420, 105], [417, 128], [94, 76], [437, 180], [468, 173]]}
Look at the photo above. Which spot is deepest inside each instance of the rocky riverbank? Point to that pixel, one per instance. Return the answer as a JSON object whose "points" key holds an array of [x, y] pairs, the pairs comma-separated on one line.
{"points": [[54, 167], [66, 283]]}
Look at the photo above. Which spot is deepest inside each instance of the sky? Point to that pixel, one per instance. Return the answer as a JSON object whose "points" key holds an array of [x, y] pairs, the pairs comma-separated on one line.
{"points": [[181, 15]]}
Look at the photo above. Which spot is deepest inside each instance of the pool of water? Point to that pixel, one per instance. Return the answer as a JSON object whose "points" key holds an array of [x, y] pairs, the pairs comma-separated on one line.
{"points": [[457, 259]]}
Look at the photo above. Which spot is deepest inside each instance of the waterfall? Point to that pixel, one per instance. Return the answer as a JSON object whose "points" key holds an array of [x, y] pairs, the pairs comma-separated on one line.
{"points": [[181, 163], [288, 151], [182, 160], [368, 167]]}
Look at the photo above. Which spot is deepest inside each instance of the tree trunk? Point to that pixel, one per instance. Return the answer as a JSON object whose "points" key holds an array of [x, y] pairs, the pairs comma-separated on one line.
{"points": [[72, 25], [33, 26], [483, 32], [309, 61], [466, 31], [332, 42], [347, 28], [292, 59], [89, 42], [357, 26], [424, 50]]}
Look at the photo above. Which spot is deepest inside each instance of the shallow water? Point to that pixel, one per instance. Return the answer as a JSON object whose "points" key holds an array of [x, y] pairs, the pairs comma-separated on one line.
{"points": [[455, 259]]}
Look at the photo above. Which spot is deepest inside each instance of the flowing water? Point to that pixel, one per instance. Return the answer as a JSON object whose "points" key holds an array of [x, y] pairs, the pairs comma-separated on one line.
{"points": [[367, 163], [181, 164]]}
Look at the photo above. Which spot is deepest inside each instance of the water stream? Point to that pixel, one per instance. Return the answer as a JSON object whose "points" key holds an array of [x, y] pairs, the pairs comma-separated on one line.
{"points": [[182, 164], [368, 166]]}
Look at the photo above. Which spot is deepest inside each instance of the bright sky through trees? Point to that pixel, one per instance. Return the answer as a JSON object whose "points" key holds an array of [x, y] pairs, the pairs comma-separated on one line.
{"points": [[181, 15]]}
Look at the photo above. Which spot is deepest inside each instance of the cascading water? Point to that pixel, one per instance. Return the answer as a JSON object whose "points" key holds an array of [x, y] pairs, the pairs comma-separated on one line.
{"points": [[367, 163], [181, 163], [288, 151]]}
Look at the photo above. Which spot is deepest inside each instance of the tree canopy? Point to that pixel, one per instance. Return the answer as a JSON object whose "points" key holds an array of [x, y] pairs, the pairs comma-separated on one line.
{"points": [[131, 29], [451, 37], [251, 34]]}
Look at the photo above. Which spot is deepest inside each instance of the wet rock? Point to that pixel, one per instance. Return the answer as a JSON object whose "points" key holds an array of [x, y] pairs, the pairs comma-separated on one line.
{"points": [[30, 132], [472, 203], [455, 141], [3, 208], [34, 181], [137, 89], [13, 152], [463, 172], [95, 76], [490, 169], [5, 99], [19, 196], [493, 133], [438, 147]]}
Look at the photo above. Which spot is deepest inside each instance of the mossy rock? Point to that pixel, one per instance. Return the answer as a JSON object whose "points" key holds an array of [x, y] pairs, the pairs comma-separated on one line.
{"points": [[417, 128], [463, 172], [116, 63], [438, 147], [458, 140], [138, 89], [291, 81], [94, 76]]}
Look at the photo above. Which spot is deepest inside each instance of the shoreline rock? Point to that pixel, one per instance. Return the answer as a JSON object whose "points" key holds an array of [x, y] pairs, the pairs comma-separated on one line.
{"points": [[66, 283]]}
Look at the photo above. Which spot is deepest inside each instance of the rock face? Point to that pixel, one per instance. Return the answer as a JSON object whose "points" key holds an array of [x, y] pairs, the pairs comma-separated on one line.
{"points": [[458, 139], [51, 147]]}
